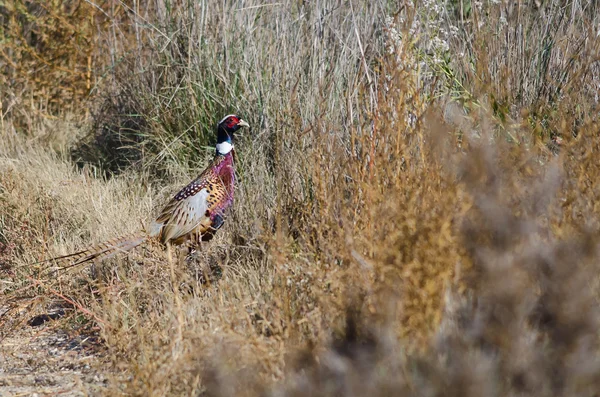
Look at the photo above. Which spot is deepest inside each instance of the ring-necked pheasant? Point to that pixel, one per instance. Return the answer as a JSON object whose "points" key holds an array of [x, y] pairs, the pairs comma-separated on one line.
{"points": [[194, 214]]}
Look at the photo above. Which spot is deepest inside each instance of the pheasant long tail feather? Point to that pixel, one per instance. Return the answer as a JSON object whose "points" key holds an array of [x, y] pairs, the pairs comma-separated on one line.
{"points": [[100, 251]]}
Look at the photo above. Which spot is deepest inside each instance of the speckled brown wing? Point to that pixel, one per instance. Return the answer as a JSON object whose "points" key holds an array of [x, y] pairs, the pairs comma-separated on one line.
{"points": [[220, 198], [192, 212]]}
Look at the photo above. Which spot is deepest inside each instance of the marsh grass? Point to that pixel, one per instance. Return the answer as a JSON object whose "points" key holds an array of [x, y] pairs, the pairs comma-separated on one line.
{"points": [[400, 224]]}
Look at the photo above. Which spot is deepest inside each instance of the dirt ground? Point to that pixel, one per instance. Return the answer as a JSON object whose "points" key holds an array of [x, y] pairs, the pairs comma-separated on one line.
{"points": [[43, 360]]}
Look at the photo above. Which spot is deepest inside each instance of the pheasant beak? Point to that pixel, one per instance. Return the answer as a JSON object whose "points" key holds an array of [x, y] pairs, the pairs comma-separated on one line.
{"points": [[242, 123]]}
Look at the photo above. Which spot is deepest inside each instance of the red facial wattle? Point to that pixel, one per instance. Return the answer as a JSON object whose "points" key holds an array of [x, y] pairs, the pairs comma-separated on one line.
{"points": [[232, 122]]}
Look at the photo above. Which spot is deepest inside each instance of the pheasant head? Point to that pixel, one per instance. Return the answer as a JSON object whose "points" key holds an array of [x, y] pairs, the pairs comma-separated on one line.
{"points": [[225, 132]]}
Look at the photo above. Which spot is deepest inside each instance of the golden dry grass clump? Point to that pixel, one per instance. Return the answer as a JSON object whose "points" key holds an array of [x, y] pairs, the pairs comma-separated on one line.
{"points": [[406, 220], [49, 57]]}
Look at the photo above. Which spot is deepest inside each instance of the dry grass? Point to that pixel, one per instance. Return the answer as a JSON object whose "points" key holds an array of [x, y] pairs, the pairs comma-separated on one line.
{"points": [[401, 223]]}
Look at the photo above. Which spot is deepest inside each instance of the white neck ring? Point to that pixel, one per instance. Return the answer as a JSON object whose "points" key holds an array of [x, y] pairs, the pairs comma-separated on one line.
{"points": [[224, 147]]}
